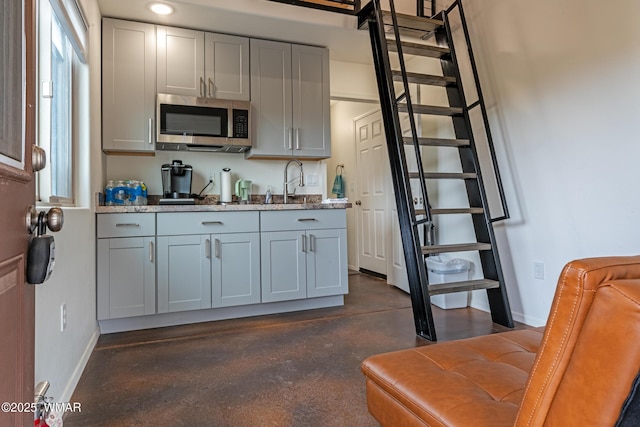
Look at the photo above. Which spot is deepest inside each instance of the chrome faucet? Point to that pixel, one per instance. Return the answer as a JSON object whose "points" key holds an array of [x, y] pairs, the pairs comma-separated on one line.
{"points": [[285, 190]]}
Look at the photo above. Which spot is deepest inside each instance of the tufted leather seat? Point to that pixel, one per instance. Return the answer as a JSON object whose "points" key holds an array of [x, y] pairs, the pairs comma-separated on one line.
{"points": [[577, 371]]}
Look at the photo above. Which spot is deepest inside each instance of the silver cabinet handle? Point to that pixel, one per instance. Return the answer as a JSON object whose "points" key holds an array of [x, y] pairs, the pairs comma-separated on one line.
{"points": [[210, 87], [211, 223], [217, 248], [151, 251], [202, 87], [306, 219], [207, 249], [304, 243], [128, 224], [297, 138], [312, 243], [150, 130], [290, 138]]}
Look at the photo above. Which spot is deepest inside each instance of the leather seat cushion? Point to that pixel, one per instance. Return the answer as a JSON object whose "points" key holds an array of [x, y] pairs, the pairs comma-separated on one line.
{"points": [[477, 381]]}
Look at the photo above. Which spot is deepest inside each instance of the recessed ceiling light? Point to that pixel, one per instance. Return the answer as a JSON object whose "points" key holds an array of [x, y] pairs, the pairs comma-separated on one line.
{"points": [[161, 8]]}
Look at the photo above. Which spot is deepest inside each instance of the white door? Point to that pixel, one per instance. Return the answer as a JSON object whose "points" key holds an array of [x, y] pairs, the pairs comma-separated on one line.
{"points": [[372, 201]]}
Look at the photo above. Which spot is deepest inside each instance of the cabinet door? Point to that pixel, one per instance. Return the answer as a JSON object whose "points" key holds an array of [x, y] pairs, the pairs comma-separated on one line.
{"points": [[184, 273], [128, 85], [271, 99], [126, 277], [327, 262], [180, 61], [226, 64], [235, 269], [283, 266], [311, 111]]}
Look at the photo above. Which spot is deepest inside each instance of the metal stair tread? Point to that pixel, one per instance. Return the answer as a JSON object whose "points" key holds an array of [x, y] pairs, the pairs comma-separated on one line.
{"points": [[468, 285], [419, 49], [431, 109], [437, 142], [412, 26], [451, 211], [457, 247], [426, 79], [444, 175]]}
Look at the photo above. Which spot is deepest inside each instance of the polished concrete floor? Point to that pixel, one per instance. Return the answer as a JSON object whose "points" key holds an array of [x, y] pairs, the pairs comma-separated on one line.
{"points": [[294, 369]]}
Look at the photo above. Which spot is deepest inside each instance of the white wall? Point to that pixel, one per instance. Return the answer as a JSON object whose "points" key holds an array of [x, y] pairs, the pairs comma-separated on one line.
{"points": [[61, 356], [262, 172], [561, 83]]}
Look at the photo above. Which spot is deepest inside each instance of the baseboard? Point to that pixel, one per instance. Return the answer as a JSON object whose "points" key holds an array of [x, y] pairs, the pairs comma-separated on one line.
{"points": [[518, 317], [373, 273], [82, 363]]}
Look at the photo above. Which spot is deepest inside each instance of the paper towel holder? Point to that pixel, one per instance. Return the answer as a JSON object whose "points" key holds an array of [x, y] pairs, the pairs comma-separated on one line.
{"points": [[225, 186]]}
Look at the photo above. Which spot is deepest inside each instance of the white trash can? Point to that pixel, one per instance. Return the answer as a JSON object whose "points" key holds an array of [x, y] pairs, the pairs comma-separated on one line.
{"points": [[445, 269]]}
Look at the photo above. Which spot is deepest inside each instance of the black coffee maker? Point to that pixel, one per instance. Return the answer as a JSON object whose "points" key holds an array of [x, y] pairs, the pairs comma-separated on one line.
{"points": [[176, 183]]}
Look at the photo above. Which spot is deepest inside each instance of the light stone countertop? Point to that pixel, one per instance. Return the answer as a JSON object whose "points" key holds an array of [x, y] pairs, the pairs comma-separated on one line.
{"points": [[211, 205], [220, 208]]}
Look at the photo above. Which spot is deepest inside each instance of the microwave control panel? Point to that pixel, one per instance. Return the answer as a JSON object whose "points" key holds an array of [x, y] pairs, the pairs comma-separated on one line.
{"points": [[241, 124]]}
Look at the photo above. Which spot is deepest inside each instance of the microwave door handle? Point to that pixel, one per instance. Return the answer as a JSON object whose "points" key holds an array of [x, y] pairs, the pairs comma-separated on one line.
{"points": [[230, 133]]}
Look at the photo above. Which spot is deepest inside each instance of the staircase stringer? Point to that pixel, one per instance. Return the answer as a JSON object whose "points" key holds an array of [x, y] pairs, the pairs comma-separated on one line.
{"points": [[476, 194], [416, 269]]}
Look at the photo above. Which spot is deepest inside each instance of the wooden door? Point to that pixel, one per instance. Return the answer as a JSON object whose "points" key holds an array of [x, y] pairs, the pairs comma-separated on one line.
{"points": [[373, 185], [17, 192]]}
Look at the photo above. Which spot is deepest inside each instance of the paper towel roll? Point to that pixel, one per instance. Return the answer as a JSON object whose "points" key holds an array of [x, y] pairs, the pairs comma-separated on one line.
{"points": [[225, 185]]}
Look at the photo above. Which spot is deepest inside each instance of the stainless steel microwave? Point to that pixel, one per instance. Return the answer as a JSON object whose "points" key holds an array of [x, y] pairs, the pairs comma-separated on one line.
{"points": [[202, 124]]}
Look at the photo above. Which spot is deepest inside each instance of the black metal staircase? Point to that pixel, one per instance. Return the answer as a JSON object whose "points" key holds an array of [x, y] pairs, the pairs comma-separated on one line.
{"points": [[408, 36]]}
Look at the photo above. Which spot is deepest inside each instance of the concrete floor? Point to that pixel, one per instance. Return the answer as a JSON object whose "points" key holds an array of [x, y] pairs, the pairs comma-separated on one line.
{"points": [[294, 369]]}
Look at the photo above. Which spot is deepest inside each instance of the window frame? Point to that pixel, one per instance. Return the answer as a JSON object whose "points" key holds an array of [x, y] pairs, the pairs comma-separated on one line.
{"points": [[44, 196]]}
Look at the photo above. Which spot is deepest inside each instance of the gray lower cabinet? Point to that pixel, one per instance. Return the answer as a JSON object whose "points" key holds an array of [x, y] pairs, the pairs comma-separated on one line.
{"points": [[126, 272], [184, 273], [220, 268], [304, 254]]}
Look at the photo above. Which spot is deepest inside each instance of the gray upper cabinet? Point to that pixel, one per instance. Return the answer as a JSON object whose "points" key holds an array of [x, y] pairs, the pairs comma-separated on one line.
{"points": [[180, 65], [290, 101], [128, 85], [196, 63], [226, 66]]}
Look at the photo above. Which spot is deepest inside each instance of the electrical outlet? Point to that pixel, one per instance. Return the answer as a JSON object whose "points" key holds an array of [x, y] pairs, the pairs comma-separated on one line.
{"points": [[211, 177], [63, 317], [538, 270]]}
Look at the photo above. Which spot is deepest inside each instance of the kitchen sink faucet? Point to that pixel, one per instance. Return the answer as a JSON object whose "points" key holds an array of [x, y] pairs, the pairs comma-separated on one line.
{"points": [[285, 190]]}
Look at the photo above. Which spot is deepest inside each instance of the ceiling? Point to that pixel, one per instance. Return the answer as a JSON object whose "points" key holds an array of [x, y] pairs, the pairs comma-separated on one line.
{"points": [[256, 18]]}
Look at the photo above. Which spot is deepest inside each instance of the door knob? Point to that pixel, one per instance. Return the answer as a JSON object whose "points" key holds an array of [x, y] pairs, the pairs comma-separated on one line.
{"points": [[358, 202], [38, 158], [54, 219]]}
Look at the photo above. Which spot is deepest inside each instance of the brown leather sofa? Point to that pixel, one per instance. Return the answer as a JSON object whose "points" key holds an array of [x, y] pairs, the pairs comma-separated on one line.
{"points": [[577, 371]]}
